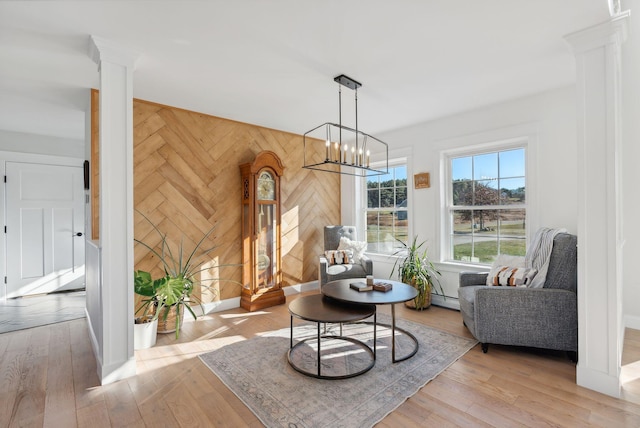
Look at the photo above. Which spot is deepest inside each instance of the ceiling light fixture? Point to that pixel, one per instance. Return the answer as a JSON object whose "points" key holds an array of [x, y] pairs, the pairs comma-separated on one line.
{"points": [[351, 153]]}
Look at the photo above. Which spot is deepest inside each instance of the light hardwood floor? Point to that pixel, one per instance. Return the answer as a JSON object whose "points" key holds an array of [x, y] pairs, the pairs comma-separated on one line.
{"points": [[49, 379]]}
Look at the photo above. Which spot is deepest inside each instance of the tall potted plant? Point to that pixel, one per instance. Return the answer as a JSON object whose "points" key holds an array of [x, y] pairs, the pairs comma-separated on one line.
{"points": [[167, 298], [415, 268]]}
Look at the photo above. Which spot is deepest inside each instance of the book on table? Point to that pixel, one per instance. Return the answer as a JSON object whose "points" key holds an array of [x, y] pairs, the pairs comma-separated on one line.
{"points": [[382, 286], [361, 286]]}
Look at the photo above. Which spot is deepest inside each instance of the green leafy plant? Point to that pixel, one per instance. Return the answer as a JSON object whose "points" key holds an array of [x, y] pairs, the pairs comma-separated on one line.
{"points": [[173, 290], [415, 268]]}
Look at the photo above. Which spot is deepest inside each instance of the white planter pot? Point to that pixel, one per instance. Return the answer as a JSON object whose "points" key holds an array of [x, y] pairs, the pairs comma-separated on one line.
{"points": [[144, 335]]}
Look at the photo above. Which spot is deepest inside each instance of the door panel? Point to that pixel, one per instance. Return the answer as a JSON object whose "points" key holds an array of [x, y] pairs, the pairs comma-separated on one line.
{"points": [[32, 248], [45, 212]]}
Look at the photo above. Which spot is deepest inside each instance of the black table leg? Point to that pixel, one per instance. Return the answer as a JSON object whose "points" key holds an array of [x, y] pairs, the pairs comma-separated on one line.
{"points": [[319, 362], [291, 334], [393, 338]]}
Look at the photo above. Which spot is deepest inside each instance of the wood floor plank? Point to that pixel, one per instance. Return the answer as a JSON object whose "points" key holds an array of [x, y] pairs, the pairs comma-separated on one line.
{"points": [[49, 378], [28, 377], [631, 346], [17, 345], [85, 377], [60, 405], [485, 396], [94, 415], [185, 409], [444, 410], [121, 405], [156, 412]]}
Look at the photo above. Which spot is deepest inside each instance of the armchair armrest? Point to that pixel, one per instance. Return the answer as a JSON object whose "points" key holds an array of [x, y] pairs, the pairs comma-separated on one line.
{"points": [[473, 278], [367, 264], [323, 264]]}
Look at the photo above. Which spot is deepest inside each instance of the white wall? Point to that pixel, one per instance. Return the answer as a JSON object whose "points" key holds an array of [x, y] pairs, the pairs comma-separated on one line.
{"points": [[630, 170], [549, 118], [40, 144]]}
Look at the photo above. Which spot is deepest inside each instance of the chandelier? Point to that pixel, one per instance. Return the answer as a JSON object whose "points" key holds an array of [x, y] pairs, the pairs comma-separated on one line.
{"points": [[334, 147]]}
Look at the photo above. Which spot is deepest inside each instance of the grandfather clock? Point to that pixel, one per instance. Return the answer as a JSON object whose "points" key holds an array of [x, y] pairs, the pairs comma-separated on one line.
{"points": [[261, 257]]}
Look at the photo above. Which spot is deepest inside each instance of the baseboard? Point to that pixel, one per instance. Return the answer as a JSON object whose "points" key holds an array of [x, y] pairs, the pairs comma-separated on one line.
{"points": [[222, 305], [300, 288], [94, 340], [234, 302], [109, 373], [118, 371], [598, 381], [449, 302]]}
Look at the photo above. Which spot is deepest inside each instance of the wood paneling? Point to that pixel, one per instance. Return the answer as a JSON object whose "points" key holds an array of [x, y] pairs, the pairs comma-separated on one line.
{"points": [[94, 165], [187, 180]]}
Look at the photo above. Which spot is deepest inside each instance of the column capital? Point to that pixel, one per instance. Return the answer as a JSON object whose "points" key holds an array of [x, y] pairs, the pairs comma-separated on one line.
{"points": [[101, 49], [613, 31]]}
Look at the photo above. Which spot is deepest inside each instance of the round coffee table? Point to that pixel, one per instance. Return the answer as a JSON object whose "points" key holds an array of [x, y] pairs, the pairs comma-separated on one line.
{"points": [[401, 292], [320, 309]]}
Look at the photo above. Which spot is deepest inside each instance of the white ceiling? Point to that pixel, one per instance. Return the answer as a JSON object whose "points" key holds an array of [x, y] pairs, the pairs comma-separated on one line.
{"points": [[272, 63]]}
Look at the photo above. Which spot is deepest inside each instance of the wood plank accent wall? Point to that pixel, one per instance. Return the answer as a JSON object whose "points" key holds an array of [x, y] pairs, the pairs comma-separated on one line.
{"points": [[186, 180], [94, 165]]}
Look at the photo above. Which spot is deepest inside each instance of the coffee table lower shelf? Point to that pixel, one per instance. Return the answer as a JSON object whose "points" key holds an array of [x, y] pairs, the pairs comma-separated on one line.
{"points": [[323, 310]]}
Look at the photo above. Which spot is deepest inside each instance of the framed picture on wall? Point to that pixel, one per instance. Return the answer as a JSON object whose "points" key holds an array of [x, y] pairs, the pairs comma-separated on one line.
{"points": [[421, 181]]}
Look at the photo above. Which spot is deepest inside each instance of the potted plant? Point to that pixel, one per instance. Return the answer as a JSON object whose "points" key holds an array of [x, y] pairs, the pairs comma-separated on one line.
{"points": [[167, 298], [145, 329], [415, 268]]}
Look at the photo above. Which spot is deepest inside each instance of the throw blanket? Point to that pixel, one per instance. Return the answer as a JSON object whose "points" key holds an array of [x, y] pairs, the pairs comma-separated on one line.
{"points": [[539, 253]]}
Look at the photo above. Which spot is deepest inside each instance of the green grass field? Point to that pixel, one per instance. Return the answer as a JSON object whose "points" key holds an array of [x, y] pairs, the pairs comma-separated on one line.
{"points": [[487, 251]]}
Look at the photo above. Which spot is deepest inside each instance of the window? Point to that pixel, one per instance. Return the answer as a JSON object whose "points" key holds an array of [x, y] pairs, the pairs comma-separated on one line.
{"points": [[486, 210], [386, 210]]}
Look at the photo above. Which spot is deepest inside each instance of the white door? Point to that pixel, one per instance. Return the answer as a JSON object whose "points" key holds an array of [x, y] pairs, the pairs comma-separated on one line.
{"points": [[45, 228]]}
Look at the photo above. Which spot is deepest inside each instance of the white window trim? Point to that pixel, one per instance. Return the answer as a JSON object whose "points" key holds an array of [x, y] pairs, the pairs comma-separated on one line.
{"points": [[362, 211], [521, 136]]}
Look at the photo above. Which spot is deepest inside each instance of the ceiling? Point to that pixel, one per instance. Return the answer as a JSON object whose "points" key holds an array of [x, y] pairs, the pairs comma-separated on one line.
{"points": [[272, 63]]}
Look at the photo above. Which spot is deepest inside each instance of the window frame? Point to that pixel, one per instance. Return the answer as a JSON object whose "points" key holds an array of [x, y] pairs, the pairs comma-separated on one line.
{"points": [[525, 142], [364, 209]]}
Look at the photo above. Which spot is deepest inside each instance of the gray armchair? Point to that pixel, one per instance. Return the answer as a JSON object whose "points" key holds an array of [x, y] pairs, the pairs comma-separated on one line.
{"points": [[533, 317], [328, 272]]}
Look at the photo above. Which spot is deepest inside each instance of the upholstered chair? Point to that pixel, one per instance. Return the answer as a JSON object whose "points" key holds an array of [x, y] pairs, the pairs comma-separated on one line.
{"points": [[544, 317], [358, 266]]}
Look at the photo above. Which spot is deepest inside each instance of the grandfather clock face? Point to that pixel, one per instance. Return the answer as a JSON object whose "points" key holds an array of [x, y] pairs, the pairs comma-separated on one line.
{"points": [[266, 229], [266, 186]]}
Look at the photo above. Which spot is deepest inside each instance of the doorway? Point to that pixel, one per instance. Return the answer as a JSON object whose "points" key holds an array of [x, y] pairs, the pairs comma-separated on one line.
{"points": [[44, 228]]}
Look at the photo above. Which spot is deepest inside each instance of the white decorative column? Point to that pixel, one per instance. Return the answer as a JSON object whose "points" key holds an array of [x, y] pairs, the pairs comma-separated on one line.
{"points": [[114, 347], [600, 239]]}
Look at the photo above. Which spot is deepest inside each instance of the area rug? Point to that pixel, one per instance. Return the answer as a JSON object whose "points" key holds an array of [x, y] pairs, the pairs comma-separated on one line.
{"points": [[257, 371]]}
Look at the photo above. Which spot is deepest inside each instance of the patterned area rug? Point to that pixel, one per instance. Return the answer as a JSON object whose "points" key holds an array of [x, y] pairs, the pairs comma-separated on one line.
{"points": [[258, 372]]}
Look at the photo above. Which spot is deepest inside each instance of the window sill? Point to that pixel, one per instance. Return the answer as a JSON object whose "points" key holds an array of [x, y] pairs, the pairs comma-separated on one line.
{"points": [[450, 266]]}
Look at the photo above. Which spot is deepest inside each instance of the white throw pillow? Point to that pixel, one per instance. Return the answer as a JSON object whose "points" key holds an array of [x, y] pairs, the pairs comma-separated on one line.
{"points": [[358, 248]]}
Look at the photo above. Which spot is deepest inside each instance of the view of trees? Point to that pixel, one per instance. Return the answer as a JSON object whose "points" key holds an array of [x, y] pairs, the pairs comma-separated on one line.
{"points": [[464, 193], [381, 195]]}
